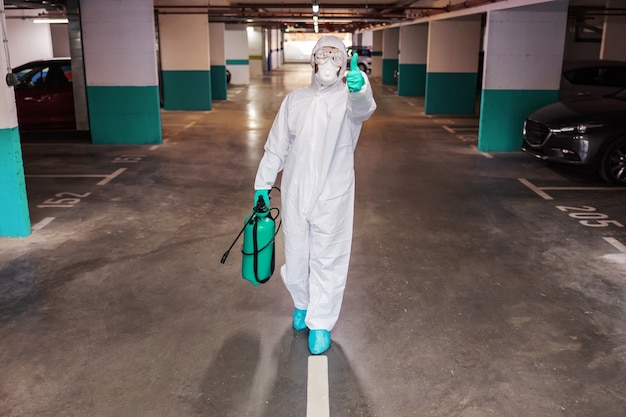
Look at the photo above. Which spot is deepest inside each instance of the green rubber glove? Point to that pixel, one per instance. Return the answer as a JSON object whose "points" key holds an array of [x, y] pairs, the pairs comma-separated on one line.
{"points": [[354, 79], [264, 194]]}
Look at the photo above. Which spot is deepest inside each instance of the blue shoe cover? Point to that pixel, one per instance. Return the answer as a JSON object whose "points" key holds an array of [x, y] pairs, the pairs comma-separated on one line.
{"points": [[319, 341], [298, 319]]}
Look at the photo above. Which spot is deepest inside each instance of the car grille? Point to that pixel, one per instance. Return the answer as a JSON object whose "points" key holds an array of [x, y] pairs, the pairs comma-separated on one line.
{"points": [[536, 133]]}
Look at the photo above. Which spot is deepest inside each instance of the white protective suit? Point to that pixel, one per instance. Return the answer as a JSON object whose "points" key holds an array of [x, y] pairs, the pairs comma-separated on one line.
{"points": [[312, 140]]}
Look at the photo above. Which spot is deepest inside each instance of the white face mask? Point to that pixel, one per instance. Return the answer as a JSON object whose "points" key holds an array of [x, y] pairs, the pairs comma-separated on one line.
{"points": [[327, 73]]}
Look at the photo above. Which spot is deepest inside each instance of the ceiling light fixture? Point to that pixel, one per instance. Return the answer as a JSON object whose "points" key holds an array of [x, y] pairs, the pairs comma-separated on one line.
{"points": [[56, 20], [315, 7]]}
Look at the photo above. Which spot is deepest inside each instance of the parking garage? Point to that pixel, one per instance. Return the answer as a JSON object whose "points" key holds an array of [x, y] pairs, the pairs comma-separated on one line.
{"points": [[482, 282]]}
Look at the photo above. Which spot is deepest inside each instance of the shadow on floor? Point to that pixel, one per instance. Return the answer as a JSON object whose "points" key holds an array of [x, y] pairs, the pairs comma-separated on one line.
{"points": [[228, 389]]}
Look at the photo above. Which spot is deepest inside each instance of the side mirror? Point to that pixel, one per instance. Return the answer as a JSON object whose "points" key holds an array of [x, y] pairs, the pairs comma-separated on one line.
{"points": [[12, 80]]}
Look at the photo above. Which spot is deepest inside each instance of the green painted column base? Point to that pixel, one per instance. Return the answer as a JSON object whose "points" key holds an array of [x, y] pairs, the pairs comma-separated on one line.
{"points": [[450, 93], [187, 90], [412, 80], [219, 86], [389, 67], [502, 115], [14, 216], [124, 115]]}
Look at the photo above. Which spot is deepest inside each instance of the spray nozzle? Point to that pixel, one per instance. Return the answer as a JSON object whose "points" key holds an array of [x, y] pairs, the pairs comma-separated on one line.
{"points": [[261, 207]]}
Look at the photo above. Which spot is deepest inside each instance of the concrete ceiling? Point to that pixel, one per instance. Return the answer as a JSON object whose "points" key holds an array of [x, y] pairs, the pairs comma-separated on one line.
{"points": [[334, 15]]}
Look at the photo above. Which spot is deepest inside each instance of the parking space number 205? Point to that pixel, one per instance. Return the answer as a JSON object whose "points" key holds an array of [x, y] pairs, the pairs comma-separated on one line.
{"points": [[587, 216]]}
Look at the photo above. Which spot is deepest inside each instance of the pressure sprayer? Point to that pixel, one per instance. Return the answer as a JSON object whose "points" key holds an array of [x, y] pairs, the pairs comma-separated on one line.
{"points": [[258, 252]]}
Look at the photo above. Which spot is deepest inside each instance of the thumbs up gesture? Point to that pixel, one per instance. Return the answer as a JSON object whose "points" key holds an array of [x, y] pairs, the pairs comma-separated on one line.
{"points": [[354, 79]]}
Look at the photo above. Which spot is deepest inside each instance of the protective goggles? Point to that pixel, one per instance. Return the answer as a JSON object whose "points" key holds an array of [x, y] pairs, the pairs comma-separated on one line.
{"points": [[323, 54]]}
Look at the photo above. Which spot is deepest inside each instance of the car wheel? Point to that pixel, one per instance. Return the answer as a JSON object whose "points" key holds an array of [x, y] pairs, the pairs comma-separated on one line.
{"points": [[362, 67], [613, 168]]}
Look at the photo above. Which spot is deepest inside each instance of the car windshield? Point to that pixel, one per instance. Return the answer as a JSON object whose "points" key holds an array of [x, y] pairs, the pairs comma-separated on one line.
{"points": [[38, 76], [32, 74]]}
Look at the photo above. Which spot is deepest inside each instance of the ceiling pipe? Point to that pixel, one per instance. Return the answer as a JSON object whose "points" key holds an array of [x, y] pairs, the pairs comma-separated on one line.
{"points": [[457, 6], [303, 6]]}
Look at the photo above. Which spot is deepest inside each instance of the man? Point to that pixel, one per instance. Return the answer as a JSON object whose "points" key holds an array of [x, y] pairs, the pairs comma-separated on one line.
{"points": [[312, 141]]}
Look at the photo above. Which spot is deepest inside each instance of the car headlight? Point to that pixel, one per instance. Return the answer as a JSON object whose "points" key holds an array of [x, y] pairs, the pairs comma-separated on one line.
{"points": [[580, 128]]}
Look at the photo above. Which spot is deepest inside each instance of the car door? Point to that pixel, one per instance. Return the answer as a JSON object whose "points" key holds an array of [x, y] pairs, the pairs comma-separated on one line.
{"points": [[45, 98]]}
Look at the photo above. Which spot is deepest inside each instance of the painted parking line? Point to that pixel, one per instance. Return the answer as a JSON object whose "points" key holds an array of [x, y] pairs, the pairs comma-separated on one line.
{"points": [[616, 258], [616, 244], [465, 138], [317, 397], [540, 191], [43, 223], [105, 178]]}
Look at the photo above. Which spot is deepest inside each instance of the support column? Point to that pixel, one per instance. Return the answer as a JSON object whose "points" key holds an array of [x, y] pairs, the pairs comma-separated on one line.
{"points": [[236, 43], [185, 61], [453, 48], [14, 216], [377, 54], [121, 72], [219, 86], [391, 39], [274, 58], [412, 60], [613, 35], [255, 49], [523, 60], [366, 38], [78, 65], [281, 47]]}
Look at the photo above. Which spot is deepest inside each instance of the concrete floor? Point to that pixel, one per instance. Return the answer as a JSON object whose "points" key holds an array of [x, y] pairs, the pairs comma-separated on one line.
{"points": [[471, 293]]}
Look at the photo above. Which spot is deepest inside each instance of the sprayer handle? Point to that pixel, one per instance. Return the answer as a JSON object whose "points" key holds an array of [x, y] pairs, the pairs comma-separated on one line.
{"points": [[261, 198]]}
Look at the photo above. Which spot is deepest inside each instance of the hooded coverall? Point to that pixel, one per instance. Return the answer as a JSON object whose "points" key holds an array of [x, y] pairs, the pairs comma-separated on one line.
{"points": [[312, 140]]}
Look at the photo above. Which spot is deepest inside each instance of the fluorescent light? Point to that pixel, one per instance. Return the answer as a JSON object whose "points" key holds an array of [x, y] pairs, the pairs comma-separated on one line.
{"points": [[50, 20]]}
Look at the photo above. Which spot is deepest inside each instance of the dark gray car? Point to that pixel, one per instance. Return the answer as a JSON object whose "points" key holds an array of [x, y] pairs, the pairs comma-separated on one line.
{"points": [[592, 77], [588, 132]]}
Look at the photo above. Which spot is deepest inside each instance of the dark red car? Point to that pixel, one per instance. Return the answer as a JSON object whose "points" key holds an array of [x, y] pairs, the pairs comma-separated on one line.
{"points": [[44, 96]]}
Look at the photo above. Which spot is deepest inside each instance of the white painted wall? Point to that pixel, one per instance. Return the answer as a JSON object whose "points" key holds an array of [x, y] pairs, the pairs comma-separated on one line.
{"points": [[377, 60], [28, 41], [298, 51], [60, 39], [236, 48], [112, 57], [391, 42], [216, 43], [413, 44], [8, 112], [367, 38], [453, 45], [524, 47], [177, 30]]}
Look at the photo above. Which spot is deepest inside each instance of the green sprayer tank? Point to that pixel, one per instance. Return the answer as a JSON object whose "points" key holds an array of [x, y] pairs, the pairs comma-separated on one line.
{"points": [[258, 245]]}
